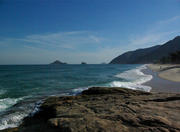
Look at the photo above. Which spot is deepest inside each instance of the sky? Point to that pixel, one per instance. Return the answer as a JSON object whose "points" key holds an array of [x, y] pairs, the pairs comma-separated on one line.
{"points": [[93, 31]]}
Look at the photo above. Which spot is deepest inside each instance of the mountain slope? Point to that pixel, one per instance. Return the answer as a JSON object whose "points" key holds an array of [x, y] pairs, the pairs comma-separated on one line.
{"points": [[148, 55]]}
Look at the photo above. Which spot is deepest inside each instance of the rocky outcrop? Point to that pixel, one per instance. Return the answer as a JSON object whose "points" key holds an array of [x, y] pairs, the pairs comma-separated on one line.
{"points": [[107, 110], [57, 62], [83, 63]]}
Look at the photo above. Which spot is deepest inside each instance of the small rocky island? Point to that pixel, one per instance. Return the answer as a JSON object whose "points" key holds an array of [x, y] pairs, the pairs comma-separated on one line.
{"points": [[103, 109], [57, 62], [83, 63]]}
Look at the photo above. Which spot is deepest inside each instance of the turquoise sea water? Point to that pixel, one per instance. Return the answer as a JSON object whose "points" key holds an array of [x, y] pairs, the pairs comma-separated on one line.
{"points": [[23, 86]]}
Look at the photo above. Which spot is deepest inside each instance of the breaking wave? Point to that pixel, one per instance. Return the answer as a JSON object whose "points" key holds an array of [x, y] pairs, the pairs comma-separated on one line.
{"points": [[7, 102], [133, 79]]}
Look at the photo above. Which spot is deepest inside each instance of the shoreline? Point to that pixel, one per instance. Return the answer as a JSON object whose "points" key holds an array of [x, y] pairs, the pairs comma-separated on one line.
{"points": [[156, 83], [159, 84], [106, 109], [169, 72]]}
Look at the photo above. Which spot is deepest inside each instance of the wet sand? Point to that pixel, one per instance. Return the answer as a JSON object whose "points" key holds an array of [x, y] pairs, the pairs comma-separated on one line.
{"points": [[167, 71], [161, 85]]}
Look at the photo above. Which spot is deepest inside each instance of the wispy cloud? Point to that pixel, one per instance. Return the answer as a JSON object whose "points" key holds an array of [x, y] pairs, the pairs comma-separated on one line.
{"points": [[169, 20], [67, 40], [159, 33], [60, 40], [96, 39], [71, 47], [151, 38]]}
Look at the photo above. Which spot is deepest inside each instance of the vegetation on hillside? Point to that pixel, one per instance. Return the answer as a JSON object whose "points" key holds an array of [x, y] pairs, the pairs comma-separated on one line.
{"points": [[151, 54], [171, 58]]}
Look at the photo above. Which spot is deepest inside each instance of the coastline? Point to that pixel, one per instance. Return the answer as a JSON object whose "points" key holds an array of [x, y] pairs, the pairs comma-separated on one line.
{"points": [[106, 109], [131, 73], [160, 84], [169, 72]]}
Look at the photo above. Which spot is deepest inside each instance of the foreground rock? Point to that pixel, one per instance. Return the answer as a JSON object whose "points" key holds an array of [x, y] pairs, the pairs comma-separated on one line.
{"points": [[107, 110]]}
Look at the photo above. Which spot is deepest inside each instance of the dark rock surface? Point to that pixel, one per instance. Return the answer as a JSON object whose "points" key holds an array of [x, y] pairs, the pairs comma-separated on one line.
{"points": [[107, 110]]}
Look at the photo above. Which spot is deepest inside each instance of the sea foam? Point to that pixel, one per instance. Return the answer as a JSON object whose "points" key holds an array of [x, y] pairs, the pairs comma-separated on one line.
{"points": [[11, 114], [11, 120], [7, 102], [134, 79]]}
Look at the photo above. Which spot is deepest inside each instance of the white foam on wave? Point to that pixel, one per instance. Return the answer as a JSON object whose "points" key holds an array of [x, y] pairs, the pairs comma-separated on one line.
{"points": [[11, 120], [36, 107], [8, 102], [13, 117], [134, 79], [79, 90]]}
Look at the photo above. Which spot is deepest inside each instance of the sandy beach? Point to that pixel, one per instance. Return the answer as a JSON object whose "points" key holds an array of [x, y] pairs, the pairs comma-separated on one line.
{"points": [[166, 78], [167, 71]]}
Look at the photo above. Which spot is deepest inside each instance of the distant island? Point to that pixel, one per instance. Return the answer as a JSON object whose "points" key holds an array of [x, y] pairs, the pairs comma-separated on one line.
{"points": [[149, 55], [83, 63], [57, 62]]}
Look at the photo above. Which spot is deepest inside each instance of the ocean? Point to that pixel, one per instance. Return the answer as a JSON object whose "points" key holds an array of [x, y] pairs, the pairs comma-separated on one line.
{"points": [[23, 87]]}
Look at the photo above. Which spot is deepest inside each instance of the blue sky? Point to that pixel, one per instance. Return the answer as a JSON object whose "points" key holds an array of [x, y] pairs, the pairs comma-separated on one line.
{"points": [[94, 31]]}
